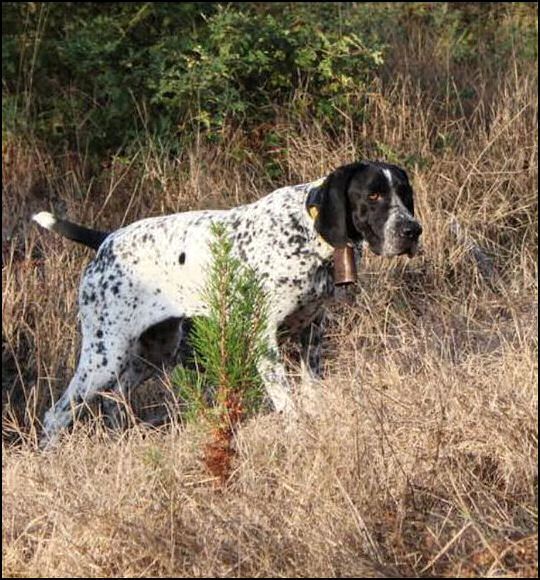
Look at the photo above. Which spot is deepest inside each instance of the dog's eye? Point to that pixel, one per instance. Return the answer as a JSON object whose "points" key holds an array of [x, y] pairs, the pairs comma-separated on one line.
{"points": [[375, 196]]}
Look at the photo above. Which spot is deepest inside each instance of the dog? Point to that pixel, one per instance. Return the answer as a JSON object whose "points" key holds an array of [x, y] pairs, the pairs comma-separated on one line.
{"points": [[144, 285]]}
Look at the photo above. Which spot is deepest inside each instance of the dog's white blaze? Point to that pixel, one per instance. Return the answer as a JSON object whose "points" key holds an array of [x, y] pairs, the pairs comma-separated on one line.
{"points": [[396, 213], [392, 216], [388, 175], [389, 228], [44, 219]]}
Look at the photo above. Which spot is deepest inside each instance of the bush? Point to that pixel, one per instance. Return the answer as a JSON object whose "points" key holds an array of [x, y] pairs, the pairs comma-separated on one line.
{"points": [[81, 70], [224, 387], [101, 73], [250, 63]]}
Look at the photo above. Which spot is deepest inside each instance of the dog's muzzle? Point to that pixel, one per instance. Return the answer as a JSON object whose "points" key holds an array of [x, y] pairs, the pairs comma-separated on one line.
{"points": [[408, 234], [410, 230]]}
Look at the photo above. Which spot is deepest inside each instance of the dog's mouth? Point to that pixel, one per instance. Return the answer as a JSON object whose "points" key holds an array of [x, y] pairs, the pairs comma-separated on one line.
{"points": [[410, 252], [379, 250], [379, 246]]}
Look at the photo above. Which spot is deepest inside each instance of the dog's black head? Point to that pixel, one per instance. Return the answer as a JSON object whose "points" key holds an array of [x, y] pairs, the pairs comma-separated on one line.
{"points": [[368, 201]]}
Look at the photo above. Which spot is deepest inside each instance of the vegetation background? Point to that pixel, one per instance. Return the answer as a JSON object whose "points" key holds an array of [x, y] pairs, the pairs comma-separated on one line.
{"points": [[417, 455]]}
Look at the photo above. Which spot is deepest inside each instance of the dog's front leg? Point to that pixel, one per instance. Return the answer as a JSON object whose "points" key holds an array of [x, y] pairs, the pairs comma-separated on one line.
{"points": [[274, 376], [311, 342]]}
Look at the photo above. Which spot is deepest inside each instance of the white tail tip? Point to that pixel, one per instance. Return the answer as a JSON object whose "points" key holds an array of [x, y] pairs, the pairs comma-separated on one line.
{"points": [[44, 219]]}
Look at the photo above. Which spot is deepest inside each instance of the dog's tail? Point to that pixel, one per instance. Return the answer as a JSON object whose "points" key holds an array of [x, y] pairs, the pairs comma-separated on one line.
{"points": [[86, 236]]}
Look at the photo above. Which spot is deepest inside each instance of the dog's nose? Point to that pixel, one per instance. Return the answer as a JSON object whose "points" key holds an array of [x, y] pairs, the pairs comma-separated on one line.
{"points": [[411, 230]]}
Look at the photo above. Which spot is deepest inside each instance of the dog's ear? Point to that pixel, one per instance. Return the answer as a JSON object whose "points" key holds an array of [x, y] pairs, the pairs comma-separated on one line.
{"points": [[334, 220]]}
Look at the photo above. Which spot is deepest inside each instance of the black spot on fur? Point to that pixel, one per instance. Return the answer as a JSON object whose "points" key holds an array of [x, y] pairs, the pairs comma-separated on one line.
{"points": [[182, 258], [297, 240]]}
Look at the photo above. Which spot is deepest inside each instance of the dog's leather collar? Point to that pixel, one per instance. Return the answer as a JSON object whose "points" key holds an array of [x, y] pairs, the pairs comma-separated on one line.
{"points": [[314, 198], [313, 203]]}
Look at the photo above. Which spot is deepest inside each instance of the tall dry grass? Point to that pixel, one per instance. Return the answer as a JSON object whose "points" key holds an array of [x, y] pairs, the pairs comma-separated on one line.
{"points": [[416, 456]]}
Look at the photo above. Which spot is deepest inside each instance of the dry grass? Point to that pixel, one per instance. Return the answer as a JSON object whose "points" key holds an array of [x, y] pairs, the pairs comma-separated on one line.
{"points": [[416, 456]]}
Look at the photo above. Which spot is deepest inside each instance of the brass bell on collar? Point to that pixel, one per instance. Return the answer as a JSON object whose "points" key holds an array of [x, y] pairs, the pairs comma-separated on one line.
{"points": [[344, 266]]}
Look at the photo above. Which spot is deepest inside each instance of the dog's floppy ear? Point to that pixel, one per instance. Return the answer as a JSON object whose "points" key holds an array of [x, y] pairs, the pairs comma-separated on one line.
{"points": [[334, 221]]}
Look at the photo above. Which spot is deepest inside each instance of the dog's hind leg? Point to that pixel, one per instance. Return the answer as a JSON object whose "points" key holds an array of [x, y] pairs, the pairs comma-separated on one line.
{"points": [[155, 351], [274, 375], [99, 369], [116, 403]]}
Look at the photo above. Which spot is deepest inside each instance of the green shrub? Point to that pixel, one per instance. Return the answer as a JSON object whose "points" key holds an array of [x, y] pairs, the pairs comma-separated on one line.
{"points": [[247, 63], [101, 74], [228, 343]]}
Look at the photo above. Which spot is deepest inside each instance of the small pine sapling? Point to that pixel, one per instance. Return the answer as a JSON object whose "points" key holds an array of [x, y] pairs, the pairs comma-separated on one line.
{"points": [[224, 386]]}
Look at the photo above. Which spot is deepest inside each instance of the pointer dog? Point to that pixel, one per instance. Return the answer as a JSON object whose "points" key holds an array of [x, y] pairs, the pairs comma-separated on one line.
{"points": [[138, 294]]}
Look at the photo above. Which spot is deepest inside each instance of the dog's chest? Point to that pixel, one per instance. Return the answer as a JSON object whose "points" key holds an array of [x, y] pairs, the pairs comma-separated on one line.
{"points": [[300, 294]]}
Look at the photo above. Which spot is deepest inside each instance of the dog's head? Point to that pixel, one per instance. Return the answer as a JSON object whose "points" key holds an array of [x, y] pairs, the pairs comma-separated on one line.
{"points": [[368, 201]]}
